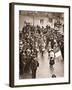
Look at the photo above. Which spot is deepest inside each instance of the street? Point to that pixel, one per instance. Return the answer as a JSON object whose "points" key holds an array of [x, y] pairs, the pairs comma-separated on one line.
{"points": [[44, 70]]}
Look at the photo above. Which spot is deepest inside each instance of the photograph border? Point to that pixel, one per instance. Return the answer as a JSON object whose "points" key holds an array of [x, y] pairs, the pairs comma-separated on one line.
{"points": [[11, 43]]}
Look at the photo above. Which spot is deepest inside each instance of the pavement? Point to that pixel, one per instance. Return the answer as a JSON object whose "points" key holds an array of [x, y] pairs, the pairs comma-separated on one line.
{"points": [[45, 71]]}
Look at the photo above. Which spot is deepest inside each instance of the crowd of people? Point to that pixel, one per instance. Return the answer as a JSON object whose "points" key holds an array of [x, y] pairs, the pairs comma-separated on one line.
{"points": [[34, 39]]}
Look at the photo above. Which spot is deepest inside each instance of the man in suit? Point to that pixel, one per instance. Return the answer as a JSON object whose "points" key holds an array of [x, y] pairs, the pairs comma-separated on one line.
{"points": [[34, 66]]}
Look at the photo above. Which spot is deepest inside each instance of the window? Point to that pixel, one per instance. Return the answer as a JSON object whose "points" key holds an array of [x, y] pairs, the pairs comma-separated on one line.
{"points": [[41, 21]]}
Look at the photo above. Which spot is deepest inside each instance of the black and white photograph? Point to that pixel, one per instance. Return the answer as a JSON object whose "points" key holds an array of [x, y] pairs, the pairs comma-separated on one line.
{"points": [[39, 44]]}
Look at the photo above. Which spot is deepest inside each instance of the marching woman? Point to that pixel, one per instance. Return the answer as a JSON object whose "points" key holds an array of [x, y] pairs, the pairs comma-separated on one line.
{"points": [[52, 57], [52, 61]]}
